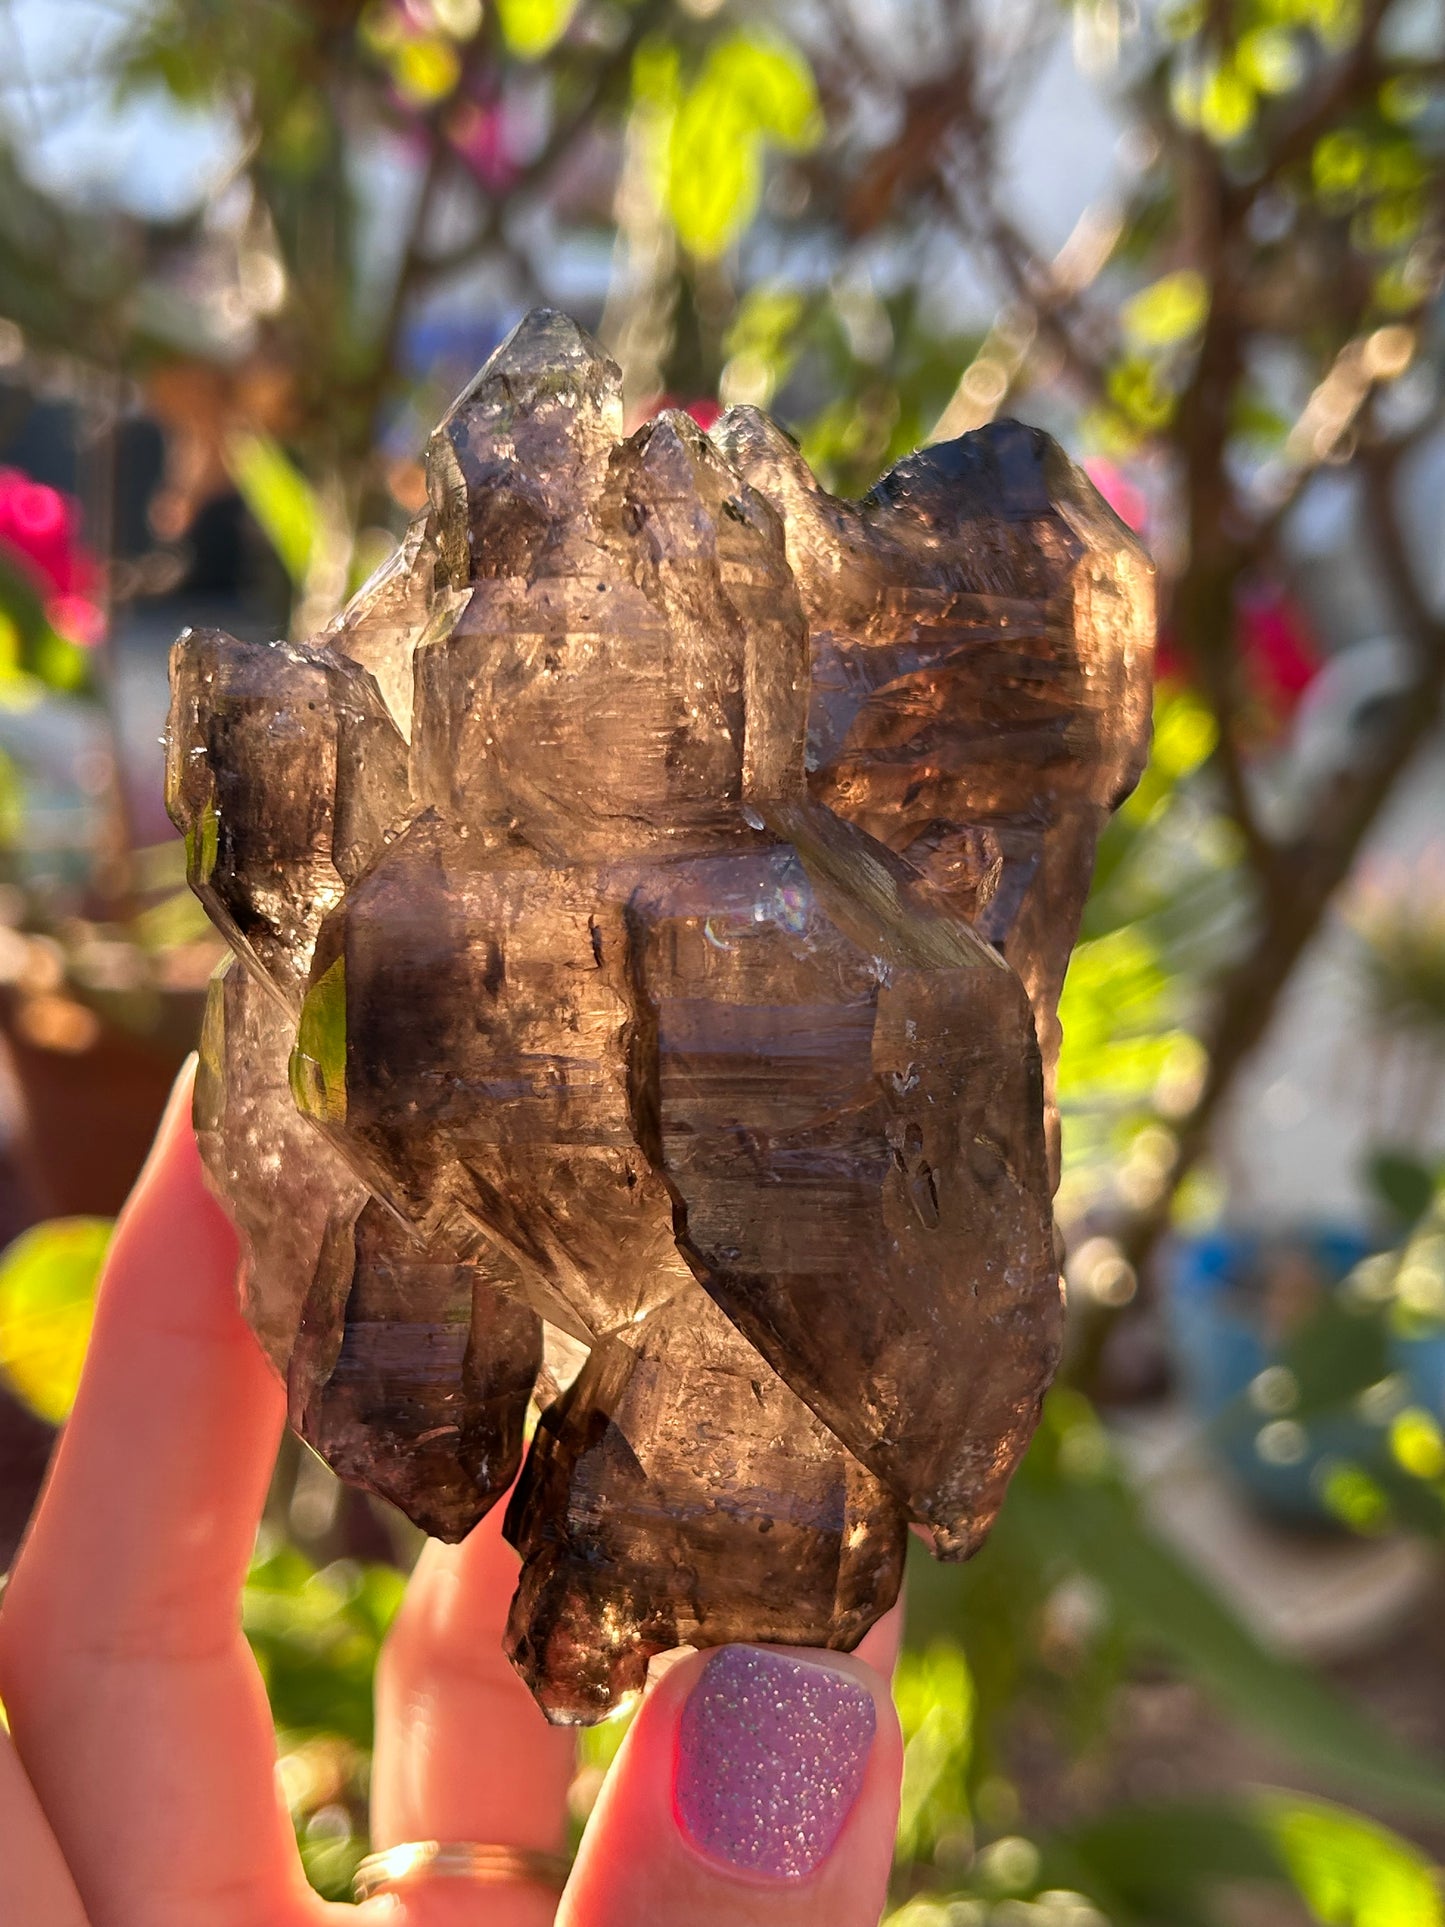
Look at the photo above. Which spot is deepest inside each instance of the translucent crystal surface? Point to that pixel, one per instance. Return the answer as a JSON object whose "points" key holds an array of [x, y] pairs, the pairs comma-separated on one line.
{"points": [[982, 635], [283, 1183], [412, 1372], [660, 878]]}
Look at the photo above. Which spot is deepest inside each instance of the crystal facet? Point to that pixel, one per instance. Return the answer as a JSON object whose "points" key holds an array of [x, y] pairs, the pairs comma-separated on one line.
{"points": [[680, 1494], [982, 636], [412, 1373], [661, 878]]}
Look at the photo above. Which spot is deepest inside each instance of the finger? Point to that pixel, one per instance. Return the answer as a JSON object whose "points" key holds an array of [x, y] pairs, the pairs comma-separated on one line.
{"points": [[462, 1752], [136, 1708], [758, 1787], [34, 1884], [879, 1646]]}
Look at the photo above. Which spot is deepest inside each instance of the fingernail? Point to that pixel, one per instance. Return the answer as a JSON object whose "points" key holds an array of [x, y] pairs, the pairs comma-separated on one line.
{"points": [[771, 1754]]}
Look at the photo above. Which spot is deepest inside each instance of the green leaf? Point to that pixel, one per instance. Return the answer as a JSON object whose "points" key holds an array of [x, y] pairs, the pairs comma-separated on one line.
{"points": [[751, 90], [12, 802], [714, 171], [1402, 1182], [1158, 1863], [776, 84], [316, 1635], [1349, 1871], [33, 655], [532, 28], [1161, 1862], [21, 602], [48, 1278], [278, 496], [1168, 311], [202, 844], [1072, 1506], [934, 1693]]}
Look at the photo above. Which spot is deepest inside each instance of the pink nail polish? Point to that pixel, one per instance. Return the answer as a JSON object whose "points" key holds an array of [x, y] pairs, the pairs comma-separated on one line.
{"points": [[771, 1754]]}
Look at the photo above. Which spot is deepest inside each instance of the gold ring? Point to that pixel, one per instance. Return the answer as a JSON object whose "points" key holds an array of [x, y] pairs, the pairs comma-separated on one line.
{"points": [[458, 1860]]}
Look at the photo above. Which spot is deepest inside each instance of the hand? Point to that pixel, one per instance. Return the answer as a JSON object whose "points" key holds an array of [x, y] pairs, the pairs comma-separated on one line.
{"points": [[140, 1790]]}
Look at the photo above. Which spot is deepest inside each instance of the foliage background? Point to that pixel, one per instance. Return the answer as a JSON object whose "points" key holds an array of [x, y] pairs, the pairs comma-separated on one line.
{"points": [[795, 203]]}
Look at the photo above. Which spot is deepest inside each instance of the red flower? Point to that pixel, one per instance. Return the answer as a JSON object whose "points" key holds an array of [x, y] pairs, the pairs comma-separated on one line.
{"points": [[1278, 655], [477, 131], [1275, 641], [703, 410], [1128, 502], [40, 535]]}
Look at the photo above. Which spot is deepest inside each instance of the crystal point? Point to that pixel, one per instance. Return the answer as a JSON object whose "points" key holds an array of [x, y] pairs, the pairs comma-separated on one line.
{"points": [[655, 890], [981, 630], [411, 1374], [285, 773], [679, 1494]]}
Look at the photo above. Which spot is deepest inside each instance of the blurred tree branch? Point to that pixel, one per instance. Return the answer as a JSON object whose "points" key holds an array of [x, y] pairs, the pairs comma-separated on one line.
{"points": [[944, 155]]}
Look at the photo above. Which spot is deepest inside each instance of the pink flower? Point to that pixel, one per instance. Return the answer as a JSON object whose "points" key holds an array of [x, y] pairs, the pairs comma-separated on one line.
{"points": [[478, 132], [38, 528], [77, 618], [703, 410], [40, 535], [1275, 641], [1127, 501]]}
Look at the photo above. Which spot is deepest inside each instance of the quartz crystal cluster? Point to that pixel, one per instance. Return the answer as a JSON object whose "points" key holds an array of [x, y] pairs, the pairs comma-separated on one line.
{"points": [[649, 902]]}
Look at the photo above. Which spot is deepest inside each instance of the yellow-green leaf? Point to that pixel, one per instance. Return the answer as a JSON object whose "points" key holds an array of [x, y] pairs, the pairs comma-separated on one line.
{"points": [[425, 69], [1226, 106], [714, 171], [532, 28], [657, 75], [1339, 162], [1337, 22], [1271, 60], [1349, 1871], [751, 90], [47, 1292], [1136, 390], [776, 84], [1168, 311], [278, 495]]}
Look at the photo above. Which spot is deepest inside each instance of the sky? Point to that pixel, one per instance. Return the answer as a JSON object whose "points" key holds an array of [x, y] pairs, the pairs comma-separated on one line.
{"points": [[146, 154]]}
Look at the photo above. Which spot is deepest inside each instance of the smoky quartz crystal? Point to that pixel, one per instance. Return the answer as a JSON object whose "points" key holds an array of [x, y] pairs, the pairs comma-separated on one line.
{"points": [[650, 900]]}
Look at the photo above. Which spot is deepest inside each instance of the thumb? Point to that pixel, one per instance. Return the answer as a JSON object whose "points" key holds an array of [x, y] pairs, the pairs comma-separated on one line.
{"points": [[758, 1787]]}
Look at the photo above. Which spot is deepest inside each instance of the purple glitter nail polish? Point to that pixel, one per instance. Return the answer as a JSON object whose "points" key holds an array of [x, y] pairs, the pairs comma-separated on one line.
{"points": [[771, 1754]]}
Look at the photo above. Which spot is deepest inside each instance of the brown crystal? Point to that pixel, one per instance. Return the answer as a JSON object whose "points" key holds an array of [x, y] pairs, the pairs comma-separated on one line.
{"points": [[680, 990], [411, 1373], [406, 602], [982, 634], [679, 1494], [281, 1181], [284, 772]]}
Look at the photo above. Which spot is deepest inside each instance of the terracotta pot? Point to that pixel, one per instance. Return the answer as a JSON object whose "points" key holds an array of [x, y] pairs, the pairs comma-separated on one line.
{"points": [[89, 1098]]}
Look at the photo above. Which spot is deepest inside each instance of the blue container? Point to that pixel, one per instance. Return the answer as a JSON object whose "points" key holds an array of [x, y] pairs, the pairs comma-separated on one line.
{"points": [[1223, 1315]]}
